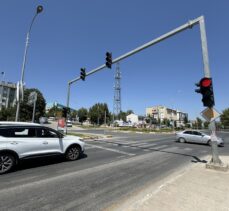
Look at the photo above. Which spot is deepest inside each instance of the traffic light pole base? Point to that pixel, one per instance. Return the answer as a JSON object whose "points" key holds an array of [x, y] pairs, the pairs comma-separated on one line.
{"points": [[215, 163], [217, 166]]}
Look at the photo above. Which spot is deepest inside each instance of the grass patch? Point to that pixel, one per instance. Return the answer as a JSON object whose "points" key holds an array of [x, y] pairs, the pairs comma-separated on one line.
{"points": [[84, 136], [145, 130]]}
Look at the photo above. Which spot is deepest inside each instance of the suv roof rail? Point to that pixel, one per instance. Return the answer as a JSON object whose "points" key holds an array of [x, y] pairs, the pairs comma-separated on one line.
{"points": [[18, 123]]}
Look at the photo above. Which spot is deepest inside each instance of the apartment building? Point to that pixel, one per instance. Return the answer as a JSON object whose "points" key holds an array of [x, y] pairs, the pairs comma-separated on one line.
{"points": [[161, 112], [7, 94]]}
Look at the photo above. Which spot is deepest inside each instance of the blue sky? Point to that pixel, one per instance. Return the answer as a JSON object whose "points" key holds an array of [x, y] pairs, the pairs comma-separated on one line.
{"points": [[71, 34]]}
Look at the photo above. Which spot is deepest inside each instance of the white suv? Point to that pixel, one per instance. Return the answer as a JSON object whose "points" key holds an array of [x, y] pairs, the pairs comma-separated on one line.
{"points": [[20, 140]]}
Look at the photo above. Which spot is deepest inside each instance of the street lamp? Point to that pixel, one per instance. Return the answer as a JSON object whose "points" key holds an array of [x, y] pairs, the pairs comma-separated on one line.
{"points": [[21, 84]]}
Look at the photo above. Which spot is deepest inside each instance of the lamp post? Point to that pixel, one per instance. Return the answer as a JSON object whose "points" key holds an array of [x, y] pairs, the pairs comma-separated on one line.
{"points": [[21, 84]]}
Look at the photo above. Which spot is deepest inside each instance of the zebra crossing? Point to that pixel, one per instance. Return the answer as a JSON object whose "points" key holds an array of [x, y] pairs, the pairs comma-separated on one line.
{"points": [[121, 146]]}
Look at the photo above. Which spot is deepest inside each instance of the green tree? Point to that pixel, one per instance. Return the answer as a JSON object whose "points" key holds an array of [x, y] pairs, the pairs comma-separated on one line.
{"points": [[26, 111], [82, 113], [206, 124], [199, 123], [224, 118], [97, 113], [128, 112], [54, 112], [122, 116], [185, 119], [8, 114], [166, 122], [73, 114]]}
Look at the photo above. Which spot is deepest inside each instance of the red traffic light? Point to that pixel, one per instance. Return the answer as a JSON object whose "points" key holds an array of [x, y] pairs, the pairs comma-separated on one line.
{"points": [[206, 89], [205, 82]]}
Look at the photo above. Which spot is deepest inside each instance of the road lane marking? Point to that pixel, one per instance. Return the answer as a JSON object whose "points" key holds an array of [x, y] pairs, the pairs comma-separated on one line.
{"points": [[112, 150], [188, 149], [147, 145], [143, 143], [160, 147]]}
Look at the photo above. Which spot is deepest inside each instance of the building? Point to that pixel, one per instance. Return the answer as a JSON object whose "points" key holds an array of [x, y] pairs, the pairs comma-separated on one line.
{"points": [[132, 118], [7, 94], [161, 113]]}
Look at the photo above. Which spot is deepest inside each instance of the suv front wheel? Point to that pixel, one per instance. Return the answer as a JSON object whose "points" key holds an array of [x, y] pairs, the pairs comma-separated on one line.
{"points": [[7, 162], [72, 153]]}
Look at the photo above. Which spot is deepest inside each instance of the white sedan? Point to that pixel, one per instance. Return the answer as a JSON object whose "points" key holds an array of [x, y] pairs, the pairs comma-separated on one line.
{"points": [[196, 137]]}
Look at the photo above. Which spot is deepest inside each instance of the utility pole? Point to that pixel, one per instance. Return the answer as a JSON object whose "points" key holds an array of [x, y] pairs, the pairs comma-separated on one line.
{"points": [[21, 83], [105, 118]]}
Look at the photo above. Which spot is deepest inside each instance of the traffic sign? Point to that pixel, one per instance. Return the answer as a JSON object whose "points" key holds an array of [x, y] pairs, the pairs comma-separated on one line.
{"points": [[32, 98], [61, 123], [210, 114]]}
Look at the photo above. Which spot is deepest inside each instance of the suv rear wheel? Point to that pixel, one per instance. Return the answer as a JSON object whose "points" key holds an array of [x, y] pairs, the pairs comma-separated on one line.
{"points": [[72, 153], [7, 162]]}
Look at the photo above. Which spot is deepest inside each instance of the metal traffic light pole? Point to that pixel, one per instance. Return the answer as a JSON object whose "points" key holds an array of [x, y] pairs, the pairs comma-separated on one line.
{"points": [[215, 161]]}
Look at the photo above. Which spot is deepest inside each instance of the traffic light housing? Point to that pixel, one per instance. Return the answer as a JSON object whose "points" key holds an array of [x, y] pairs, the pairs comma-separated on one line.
{"points": [[83, 73], [108, 59], [64, 112], [206, 89]]}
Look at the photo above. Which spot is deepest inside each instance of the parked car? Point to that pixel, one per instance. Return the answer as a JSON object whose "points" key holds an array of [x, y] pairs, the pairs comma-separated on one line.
{"points": [[20, 141], [51, 118], [43, 120], [196, 137], [69, 123]]}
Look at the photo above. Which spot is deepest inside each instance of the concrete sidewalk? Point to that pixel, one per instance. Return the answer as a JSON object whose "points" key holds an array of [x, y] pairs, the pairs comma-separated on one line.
{"points": [[194, 188]]}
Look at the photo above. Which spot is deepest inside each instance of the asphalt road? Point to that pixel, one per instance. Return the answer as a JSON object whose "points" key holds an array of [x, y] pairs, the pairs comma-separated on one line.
{"points": [[111, 170]]}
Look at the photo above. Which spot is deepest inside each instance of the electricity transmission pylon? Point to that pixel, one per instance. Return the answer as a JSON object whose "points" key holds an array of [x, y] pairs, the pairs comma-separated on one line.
{"points": [[117, 92]]}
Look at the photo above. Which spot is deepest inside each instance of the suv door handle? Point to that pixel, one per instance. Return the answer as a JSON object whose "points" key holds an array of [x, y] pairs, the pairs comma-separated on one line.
{"points": [[45, 142], [14, 142]]}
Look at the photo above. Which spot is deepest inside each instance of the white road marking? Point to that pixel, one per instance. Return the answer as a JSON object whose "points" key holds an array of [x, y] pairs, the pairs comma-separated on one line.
{"points": [[143, 143], [113, 150], [159, 147], [148, 145], [187, 149], [172, 149]]}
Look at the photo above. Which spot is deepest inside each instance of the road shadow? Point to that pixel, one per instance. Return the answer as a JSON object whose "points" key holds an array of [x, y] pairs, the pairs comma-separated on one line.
{"points": [[196, 158], [45, 161]]}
